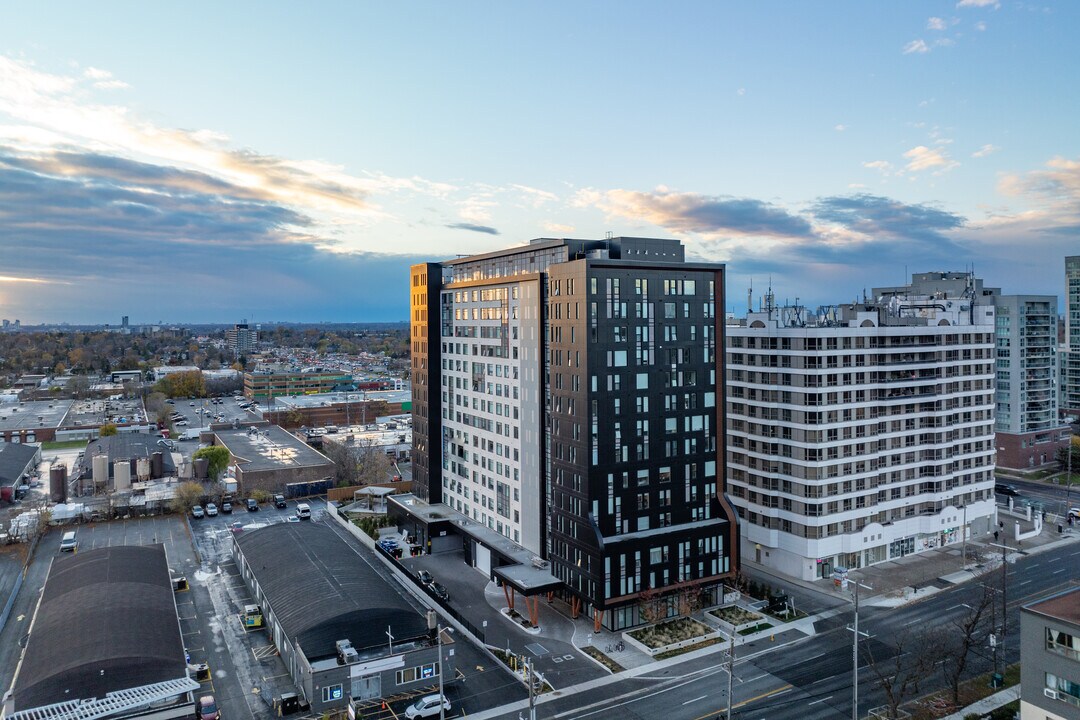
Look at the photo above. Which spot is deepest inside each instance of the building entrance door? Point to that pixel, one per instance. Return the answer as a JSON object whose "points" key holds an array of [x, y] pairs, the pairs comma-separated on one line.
{"points": [[367, 687]]}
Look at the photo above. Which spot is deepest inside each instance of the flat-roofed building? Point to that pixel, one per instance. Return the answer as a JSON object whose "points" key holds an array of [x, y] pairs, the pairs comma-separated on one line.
{"points": [[1050, 658], [861, 433]]}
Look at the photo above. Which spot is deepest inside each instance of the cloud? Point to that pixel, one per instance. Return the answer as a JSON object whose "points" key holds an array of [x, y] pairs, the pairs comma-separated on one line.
{"points": [[935, 23], [883, 166], [985, 150], [980, 26], [558, 228], [740, 91], [97, 74], [13, 279], [882, 218], [978, 4], [682, 212], [840, 128], [923, 158], [473, 228], [916, 46]]}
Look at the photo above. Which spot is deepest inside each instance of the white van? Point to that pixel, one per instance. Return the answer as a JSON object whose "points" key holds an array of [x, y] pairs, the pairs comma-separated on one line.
{"points": [[68, 543], [303, 511]]}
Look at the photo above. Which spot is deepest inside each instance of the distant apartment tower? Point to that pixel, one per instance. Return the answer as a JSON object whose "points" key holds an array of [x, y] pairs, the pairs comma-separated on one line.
{"points": [[1029, 429], [1050, 657], [861, 433], [1069, 353], [569, 395], [241, 339]]}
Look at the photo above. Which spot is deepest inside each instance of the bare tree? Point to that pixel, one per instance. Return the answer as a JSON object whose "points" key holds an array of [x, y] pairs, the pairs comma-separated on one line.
{"points": [[372, 464], [345, 469], [962, 637], [898, 666]]}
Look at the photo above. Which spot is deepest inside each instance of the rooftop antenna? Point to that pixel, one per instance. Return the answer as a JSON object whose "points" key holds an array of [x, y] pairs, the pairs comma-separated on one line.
{"points": [[750, 297]]}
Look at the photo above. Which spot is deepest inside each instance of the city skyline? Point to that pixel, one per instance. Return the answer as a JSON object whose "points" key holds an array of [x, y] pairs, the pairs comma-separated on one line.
{"points": [[277, 165]]}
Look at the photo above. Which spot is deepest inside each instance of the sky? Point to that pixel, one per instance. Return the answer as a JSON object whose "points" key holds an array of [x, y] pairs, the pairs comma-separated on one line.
{"points": [[271, 161]]}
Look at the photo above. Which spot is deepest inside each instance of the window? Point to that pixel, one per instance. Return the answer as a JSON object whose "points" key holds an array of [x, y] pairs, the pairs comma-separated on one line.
{"points": [[331, 693]]}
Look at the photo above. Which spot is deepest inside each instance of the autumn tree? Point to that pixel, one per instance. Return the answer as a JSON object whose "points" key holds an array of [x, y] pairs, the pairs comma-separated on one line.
{"points": [[651, 607], [107, 430], [188, 494]]}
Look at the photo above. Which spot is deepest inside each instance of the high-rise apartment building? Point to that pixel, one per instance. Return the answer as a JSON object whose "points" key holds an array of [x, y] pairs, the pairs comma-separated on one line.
{"points": [[569, 395], [1029, 430], [1069, 353], [861, 433], [241, 339]]}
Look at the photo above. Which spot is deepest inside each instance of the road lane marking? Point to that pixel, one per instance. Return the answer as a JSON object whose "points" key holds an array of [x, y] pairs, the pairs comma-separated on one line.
{"points": [[695, 699], [820, 701], [1058, 571]]}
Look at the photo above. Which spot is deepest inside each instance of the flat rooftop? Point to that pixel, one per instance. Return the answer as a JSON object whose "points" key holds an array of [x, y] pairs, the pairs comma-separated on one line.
{"points": [[526, 571], [1063, 606], [341, 398], [97, 412], [269, 447], [34, 414]]}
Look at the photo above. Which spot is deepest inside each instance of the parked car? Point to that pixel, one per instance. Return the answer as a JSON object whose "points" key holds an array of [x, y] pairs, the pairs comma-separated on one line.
{"points": [[211, 510], [226, 507], [425, 577], [279, 501], [252, 506], [439, 591], [207, 709], [69, 543], [1006, 489], [237, 527], [303, 511], [427, 706], [197, 511], [1074, 513]]}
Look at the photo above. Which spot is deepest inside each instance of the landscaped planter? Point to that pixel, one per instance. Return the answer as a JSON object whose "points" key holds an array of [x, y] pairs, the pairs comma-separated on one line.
{"points": [[669, 635], [734, 619]]}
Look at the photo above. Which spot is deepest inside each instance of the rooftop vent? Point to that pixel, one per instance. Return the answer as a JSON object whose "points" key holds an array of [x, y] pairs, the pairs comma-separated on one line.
{"points": [[346, 653]]}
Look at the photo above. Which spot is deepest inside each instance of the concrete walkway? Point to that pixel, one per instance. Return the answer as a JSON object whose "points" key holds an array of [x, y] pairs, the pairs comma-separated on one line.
{"points": [[987, 704]]}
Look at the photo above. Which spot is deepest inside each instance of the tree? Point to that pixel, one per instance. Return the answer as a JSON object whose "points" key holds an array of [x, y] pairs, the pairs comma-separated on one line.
{"points": [[372, 464], [218, 457], [651, 607], [345, 468], [898, 666], [107, 430], [78, 385], [963, 637], [188, 494]]}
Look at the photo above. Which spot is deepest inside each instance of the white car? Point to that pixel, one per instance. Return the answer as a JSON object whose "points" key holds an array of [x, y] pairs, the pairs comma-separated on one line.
{"points": [[211, 510], [427, 706]]}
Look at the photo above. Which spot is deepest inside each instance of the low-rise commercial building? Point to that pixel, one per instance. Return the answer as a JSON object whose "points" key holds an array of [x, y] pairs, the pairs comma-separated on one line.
{"points": [[31, 421], [104, 642], [344, 634], [269, 458], [1050, 658], [17, 461], [266, 384], [337, 408]]}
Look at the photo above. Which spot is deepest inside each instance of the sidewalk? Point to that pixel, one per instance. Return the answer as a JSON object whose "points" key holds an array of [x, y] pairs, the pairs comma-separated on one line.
{"points": [[987, 704]]}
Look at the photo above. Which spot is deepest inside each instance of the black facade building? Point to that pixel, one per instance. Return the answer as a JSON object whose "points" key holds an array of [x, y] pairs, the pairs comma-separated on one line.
{"points": [[629, 395]]}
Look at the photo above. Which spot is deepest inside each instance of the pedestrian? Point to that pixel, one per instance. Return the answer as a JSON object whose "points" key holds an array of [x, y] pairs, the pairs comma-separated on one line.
{"points": [[995, 536]]}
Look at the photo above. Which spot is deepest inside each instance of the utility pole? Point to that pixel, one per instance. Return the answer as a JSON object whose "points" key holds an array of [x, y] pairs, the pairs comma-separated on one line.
{"points": [[730, 674], [532, 693], [442, 696], [1004, 591], [855, 653]]}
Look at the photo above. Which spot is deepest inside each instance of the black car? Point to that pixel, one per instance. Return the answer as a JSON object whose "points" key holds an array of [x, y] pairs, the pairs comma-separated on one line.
{"points": [[279, 501], [439, 591], [1006, 489], [252, 506], [425, 577]]}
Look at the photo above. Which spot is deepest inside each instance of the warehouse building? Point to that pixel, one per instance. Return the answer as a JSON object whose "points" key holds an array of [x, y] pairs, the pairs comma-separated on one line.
{"points": [[343, 633], [126, 659], [269, 458]]}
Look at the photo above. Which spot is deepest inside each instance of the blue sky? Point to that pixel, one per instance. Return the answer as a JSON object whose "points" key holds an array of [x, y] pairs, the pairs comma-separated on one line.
{"points": [[271, 161]]}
